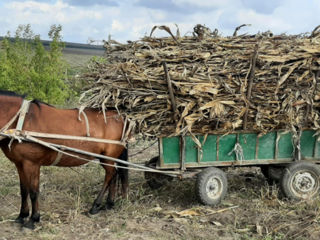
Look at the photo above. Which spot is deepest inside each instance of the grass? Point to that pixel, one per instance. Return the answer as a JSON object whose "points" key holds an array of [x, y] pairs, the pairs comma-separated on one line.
{"points": [[251, 210]]}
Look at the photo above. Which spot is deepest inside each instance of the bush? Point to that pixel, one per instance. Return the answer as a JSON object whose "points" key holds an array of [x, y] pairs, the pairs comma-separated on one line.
{"points": [[26, 67]]}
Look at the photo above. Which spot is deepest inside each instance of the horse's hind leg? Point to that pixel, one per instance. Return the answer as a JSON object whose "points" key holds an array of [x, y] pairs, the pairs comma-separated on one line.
{"points": [[110, 173], [32, 172], [24, 191], [122, 175], [112, 192]]}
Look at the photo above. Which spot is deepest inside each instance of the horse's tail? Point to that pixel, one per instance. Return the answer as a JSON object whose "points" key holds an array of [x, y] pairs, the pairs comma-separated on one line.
{"points": [[123, 174]]}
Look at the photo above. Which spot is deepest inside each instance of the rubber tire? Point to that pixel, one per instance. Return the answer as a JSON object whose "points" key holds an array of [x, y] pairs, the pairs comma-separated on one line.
{"points": [[292, 171], [203, 178]]}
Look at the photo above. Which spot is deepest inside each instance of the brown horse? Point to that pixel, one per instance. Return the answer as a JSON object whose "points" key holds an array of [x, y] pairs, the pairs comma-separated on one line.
{"points": [[29, 157]]}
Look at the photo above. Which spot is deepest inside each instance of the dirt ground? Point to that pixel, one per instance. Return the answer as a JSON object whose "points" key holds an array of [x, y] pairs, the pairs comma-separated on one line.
{"points": [[251, 210]]}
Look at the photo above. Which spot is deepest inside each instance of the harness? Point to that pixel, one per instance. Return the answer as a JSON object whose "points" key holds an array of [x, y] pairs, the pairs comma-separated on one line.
{"points": [[21, 114], [19, 134], [81, 111]]}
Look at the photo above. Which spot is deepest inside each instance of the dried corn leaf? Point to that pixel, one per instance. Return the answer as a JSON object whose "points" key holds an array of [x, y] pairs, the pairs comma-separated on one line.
{"points": [[210, 76]]}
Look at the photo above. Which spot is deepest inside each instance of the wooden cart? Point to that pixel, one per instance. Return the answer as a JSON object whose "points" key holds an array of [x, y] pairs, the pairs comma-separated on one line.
{"points": [[283, 156]]}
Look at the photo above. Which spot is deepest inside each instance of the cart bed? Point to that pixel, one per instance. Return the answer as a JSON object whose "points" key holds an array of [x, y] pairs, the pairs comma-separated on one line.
{"points": [[272, 148]]}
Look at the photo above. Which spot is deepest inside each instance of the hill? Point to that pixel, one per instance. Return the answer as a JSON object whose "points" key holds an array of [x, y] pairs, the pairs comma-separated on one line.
{"points": [[76, 54]]}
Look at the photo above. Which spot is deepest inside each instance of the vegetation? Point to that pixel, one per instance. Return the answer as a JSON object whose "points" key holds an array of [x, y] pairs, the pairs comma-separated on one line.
{"points": [[252, 209], [26, 67]]}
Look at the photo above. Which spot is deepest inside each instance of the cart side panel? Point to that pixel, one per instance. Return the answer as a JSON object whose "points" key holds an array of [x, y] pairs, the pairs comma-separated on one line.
{"points": [[217, 150], [317, 148], [248, 143], [171, 150], [267, 146], [191, 150], [308, 144], [209, 149], [225, 144], [285, 146], [208, 153]]}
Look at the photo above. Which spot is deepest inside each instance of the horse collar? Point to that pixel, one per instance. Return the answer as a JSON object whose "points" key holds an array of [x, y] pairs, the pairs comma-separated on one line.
{"points": [[24, 110]]}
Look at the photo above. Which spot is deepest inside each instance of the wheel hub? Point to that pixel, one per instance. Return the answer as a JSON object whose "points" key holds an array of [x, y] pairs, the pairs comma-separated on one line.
{"points": [[304, 182], [213, 188]]}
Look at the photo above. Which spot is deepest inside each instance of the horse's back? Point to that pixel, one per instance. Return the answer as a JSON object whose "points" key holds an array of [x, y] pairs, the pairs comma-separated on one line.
{"points": [[49, 119]]}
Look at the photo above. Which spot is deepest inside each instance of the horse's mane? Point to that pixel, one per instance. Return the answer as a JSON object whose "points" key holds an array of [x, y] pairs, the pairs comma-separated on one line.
{"points": [[10, 94], [38, 102], [13, 94]]}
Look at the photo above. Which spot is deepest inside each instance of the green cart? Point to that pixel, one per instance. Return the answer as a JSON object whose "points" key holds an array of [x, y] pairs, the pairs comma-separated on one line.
{"points": [[282, 156]]}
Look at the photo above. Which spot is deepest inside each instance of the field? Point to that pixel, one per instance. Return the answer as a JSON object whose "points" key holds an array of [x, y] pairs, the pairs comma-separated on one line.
{"points": [[251, 210]]}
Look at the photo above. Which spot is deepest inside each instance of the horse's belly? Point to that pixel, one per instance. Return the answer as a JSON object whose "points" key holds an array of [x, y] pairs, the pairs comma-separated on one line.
{"points": [[68, 161]]}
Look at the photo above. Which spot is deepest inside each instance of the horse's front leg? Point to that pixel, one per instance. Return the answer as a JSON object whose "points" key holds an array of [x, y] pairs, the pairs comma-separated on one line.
{"points": [[32, 172], [110, 172], [24, 191]]}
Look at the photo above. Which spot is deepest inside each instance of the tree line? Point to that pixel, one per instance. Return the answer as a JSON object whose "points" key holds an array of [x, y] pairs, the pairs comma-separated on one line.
{"points": [[26, 67]]}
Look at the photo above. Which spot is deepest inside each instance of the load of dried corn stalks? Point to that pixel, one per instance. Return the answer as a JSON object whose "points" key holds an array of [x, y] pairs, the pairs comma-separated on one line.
{"points": [[207, 83]]}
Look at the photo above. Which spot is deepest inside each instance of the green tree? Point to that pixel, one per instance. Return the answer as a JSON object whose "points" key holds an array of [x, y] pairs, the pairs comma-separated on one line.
{"points": [[26, 67]]}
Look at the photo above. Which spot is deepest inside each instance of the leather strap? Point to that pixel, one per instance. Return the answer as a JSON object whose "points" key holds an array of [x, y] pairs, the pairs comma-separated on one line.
{"points": [[81, 111], [25, 105], [58, 158], [24, 110]]}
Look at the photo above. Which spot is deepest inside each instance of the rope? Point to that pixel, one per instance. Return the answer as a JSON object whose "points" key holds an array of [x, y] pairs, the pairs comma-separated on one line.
{"points": [[238, 151], [296, 142], [81, 111], [63, 149], [146, 148]]}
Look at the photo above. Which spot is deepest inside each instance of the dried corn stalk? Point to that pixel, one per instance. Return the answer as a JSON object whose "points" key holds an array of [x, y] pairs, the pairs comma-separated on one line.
{"points": [[210, 76]]}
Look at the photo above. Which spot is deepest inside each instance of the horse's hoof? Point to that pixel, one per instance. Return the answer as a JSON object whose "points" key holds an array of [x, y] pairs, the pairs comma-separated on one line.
{"points": [[30, 225], [94, 210], [109, 205], [19, 220]]}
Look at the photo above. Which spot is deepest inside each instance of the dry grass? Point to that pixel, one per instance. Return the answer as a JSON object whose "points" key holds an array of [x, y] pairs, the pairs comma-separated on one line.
{"points": [[251, 210]]}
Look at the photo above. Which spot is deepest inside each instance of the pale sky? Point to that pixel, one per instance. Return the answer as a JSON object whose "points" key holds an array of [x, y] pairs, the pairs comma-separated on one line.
{"points": [[132, 19]]}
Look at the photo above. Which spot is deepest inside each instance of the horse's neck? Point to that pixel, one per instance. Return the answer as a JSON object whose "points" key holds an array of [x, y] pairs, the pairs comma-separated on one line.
{"points": [[9, 106]]}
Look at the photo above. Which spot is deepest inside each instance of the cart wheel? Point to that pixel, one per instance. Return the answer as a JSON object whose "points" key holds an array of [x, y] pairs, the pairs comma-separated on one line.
{"points": [[301, 180], [211, 186], [272, 173], [155, 180]]}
